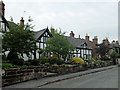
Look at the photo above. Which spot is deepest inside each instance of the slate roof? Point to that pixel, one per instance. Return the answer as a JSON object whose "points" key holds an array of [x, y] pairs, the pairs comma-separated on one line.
{"points": [[74, 41], [117, 46], [38, 34], [92, 44], [77, 42], [111, 46]]}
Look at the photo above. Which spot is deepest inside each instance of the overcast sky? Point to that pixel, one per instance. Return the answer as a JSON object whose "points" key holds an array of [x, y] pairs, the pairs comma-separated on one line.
{"points": [[97, 18]]}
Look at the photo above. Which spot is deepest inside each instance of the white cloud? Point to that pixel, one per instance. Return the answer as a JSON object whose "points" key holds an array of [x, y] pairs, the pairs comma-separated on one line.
{"points": [[62, 1], [46, 17], [80, 17]]}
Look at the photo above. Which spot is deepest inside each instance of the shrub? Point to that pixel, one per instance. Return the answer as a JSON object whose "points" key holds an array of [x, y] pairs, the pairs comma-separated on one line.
{"points": [[47, 63], [4, 57], [34, 62], [12, 56], [53, 60], [113, 54], [68, 62], [10, 65], [43, 60], [91, 60], [26, 63], [17, 66], [96, 57], [111, 61], [60, 61], [118, 55], [105, 58], [99, 62], [18, 62], [86, 63], [5, 65], [49, 57], [77, 60]]}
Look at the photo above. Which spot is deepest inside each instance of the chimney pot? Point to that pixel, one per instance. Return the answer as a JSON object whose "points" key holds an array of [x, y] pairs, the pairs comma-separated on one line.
{"points": [[79, 37], [22, 22], [105, 41], [87, 37], [117, 43], [72, 34], [95, 39]]}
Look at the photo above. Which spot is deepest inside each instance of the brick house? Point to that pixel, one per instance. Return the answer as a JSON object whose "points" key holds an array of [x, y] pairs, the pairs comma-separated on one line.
{"points": [[93, 44], [105, 42]]}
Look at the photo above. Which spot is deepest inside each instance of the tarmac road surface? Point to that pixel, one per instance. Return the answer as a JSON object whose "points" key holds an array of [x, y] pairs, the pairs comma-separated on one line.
{"points": [[103, 79]]}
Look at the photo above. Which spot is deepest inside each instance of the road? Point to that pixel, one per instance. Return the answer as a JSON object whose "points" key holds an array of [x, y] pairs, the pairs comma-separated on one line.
{"points": [[103, 79]]}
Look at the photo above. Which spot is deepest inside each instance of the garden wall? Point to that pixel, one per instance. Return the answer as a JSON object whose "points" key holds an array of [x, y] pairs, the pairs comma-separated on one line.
{"points": [[16, 75]]}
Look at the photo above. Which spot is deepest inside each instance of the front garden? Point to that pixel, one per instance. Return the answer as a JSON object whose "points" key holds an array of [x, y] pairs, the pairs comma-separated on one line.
{"points": [[15, 69], [35, 69], [52, 60]]}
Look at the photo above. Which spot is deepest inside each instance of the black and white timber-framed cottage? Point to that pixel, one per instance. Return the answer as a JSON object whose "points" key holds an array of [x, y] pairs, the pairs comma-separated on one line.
{"points": [[82, 49], [3, 22], [41, 37]]}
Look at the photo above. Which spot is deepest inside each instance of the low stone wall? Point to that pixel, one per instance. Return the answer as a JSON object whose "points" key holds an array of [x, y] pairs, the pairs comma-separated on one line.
{"points": [[60, 70], [16, 75]]}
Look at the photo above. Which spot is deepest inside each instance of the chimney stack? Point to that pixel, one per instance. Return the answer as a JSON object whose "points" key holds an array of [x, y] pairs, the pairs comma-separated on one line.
{"points": [[79, 37], [95, 40], [87, 37], [22, 22], [105, 41], [113, 42], [72, 34], [2, 8], [117, 43]]}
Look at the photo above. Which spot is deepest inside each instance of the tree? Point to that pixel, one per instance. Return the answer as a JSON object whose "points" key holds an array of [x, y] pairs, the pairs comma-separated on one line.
{"points": [[58, 44], [113, 55], [102, 50], [19, 39]]}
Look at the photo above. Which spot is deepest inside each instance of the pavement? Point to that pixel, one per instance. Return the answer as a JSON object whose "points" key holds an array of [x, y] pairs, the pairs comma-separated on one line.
{"points": [[48, 80], [103, 79]]}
